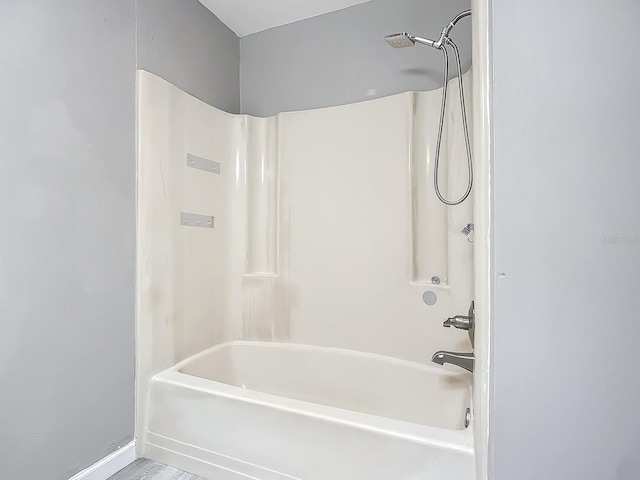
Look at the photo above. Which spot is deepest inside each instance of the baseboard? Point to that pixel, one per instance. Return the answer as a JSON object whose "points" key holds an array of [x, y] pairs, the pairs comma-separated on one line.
{"points": [[109, 465]]}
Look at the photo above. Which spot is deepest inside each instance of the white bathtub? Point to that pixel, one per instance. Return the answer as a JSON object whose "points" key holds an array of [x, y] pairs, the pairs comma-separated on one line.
{"points": [[281, 411]]}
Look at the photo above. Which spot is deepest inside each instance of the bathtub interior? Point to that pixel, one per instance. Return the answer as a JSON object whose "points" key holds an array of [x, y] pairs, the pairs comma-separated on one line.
{"points": [[325, 232], [366, 383]]}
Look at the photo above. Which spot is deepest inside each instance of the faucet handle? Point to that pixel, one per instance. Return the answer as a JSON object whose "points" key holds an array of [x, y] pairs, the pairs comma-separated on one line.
{"points": [[464, 322]]}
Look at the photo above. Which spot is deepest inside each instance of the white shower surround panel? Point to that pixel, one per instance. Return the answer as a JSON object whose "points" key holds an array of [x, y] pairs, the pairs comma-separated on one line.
{"points": [[327, 232]]}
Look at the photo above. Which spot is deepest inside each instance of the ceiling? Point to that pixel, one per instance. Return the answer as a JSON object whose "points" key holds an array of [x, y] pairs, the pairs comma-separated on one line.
{"points": [[245, 17]]}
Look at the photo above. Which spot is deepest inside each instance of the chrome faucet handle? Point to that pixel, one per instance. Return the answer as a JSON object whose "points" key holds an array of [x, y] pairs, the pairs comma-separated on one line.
{"points": [[461, 322], [464, 322]]}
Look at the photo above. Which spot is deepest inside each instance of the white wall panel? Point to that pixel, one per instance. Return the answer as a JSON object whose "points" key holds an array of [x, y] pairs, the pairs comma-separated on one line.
{"points": [[327, 229]]}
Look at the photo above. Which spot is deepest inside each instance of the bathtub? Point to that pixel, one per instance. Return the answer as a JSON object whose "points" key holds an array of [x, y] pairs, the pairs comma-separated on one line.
{"points": [[253, 410]]}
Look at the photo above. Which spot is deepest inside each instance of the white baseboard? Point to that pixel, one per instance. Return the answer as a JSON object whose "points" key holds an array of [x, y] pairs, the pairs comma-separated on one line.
{"points": [[109, 465]]}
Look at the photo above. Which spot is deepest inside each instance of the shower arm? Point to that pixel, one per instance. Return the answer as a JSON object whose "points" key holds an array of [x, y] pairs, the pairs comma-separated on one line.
{"points": [[444, 34]]}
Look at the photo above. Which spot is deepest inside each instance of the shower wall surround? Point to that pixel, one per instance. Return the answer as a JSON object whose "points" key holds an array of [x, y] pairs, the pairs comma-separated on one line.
{"points": [[326, 229]]}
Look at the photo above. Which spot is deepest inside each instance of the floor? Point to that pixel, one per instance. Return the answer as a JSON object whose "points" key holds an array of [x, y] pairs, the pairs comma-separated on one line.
{"points": [[143, 469]]}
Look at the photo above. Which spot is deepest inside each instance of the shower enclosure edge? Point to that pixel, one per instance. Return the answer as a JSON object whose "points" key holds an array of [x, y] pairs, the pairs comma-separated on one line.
{"points": [[483, 281]]}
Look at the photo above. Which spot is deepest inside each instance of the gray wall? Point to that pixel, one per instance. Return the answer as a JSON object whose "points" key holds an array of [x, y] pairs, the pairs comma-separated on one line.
{"points": [[67, 182], [341, 57], [67, 188], [567, 236], [182, 42]]}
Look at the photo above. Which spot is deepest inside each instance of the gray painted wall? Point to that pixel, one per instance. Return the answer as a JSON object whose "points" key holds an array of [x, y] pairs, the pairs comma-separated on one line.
{"points": [[67, 182], [67, 188], [184, 43], [567, 236], [341, 57]]}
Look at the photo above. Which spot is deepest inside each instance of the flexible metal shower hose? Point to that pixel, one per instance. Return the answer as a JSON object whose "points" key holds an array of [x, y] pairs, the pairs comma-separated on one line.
{"points": [[436, 184]]}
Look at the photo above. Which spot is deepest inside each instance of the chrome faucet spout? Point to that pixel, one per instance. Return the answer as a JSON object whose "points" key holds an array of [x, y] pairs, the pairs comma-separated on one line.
{"points": [[462, 360]]}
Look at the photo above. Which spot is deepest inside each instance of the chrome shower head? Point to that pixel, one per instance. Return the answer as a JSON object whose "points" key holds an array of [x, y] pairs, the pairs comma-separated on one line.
{"points": [[404, 39], [400, 40]]}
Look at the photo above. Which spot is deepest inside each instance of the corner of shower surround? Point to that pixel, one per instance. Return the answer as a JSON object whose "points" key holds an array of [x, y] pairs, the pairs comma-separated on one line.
{"points": [[438, 242], [265, 307], [190, 230]]}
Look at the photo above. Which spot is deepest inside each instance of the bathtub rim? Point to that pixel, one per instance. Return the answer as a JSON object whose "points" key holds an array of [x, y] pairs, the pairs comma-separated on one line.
{"points": [[459, 440]]}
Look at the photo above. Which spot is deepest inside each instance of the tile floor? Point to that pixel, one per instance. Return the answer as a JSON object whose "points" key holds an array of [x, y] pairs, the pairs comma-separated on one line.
{"points": [[143, 469]]}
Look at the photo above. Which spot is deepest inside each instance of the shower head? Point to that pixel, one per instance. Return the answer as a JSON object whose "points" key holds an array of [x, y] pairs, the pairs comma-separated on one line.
{"points": [[400, 40], [404, 39]]}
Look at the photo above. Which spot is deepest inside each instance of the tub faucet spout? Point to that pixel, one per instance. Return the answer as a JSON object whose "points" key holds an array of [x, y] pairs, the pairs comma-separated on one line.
{"points": [[462, 360]]}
